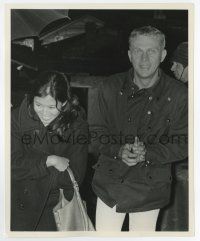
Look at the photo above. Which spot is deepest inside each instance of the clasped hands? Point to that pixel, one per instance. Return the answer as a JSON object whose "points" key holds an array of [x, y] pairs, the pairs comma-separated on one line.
{"points": [[132, 154]]}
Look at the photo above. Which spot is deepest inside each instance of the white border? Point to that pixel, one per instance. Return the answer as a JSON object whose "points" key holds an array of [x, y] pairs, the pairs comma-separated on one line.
{"points": [[196, 153]]}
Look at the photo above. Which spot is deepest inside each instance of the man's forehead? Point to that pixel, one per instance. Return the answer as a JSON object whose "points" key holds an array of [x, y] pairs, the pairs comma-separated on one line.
{"points": [[145, 39]]}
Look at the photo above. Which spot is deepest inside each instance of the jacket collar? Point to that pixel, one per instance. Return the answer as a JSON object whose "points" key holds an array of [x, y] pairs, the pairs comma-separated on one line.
{"points": [[28, 119], [155, 90]]}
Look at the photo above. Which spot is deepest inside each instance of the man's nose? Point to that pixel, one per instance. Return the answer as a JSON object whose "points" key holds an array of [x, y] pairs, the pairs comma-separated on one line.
{"points": [[145, 56]]}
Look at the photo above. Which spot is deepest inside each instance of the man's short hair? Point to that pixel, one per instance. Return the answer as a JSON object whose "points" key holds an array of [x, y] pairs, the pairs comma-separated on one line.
{"points": [[148, 31]]}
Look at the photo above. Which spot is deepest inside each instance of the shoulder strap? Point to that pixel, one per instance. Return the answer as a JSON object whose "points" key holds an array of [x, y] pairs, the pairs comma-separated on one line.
{"points": [[53, 176], [52, 180], [74, 182]]}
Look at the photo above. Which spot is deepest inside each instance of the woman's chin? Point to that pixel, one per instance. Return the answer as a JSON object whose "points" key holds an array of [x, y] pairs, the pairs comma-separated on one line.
{"points": [[46, 123]]}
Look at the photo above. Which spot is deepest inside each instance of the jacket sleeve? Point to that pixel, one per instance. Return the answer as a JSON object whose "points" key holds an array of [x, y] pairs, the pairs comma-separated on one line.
{"points": [[77, 154], [101, 137], [25, 165], [172, 146]]}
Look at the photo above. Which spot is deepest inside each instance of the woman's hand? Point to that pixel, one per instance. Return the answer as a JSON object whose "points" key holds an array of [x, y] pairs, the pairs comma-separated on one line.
{"points": [[60, 163]]}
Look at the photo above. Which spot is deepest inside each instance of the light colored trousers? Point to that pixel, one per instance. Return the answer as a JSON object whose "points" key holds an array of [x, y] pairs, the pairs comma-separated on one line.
{"points": [[107, 219]]}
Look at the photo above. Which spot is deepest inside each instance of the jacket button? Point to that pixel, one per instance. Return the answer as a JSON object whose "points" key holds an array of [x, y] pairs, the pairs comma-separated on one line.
{"points": [[129, 119], [169, 98], [149, 112], [150, 177], [122, 180], [21, 206], [150, 98], [115, 157], [25, 191], [110, 170], [147, 163], [168, 120]]}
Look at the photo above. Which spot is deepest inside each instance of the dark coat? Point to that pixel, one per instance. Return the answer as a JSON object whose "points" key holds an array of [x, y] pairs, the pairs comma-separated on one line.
{"points": [[31, 144], [158, 116]]}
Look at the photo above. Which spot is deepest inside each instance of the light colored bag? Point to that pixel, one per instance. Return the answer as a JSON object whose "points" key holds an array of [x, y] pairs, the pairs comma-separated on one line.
{"points": [[72, 215]]}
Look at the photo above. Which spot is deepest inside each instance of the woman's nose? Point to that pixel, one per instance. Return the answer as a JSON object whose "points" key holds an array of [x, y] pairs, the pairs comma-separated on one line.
{"points": [[45, 112]]}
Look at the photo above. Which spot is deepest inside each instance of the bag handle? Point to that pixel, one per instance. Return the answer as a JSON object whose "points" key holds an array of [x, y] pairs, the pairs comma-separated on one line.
{"points": [[76, 189], [74, 182], [52, 179]]}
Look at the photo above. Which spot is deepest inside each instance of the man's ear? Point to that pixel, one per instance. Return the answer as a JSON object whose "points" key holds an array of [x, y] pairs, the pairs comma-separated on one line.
{"points": [[164, 54], [129, 55]]}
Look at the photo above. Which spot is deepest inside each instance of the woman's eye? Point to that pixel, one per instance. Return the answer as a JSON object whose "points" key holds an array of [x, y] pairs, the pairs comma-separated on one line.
{"points": [[38, 105], [52, 107]]}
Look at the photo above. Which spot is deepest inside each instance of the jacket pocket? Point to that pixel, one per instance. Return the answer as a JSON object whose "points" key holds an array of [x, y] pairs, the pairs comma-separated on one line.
{"points": [[157, 176], [111, 167]]}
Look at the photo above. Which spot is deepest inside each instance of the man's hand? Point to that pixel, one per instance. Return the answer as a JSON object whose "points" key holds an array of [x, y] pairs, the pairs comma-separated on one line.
{"points": [[139, 148], [131, 154]]}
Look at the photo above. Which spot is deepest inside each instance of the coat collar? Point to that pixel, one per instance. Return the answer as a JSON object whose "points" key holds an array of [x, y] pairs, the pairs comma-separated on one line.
{"points": [[28, 119], [155, 90]]}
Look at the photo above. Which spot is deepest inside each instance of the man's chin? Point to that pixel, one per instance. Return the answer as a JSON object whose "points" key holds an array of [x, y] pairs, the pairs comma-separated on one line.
{"points": [[144, 75]]}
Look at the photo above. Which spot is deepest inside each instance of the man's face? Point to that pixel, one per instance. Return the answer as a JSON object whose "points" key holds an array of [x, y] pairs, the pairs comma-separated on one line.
{"points": [[146, 54], [177, 69]]}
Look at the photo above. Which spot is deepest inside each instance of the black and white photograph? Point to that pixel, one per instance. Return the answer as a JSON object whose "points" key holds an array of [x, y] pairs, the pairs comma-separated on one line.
{"points": [[99, 114]]}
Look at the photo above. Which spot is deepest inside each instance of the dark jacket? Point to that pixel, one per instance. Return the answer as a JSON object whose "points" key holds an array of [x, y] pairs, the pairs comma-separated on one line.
{"points": [[158, 116], [31, 144]]}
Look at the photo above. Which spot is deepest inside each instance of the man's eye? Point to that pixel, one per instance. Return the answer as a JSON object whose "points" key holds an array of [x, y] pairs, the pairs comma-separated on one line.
{"points": [[52, 107], [38, 105], [151, 51], [137, 51]]}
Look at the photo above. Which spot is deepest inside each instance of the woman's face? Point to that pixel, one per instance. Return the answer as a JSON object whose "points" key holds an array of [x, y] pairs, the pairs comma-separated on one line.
{"points": [[46, 108]]}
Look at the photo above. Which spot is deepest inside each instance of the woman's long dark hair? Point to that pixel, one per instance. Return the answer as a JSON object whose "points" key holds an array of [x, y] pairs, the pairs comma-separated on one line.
{"points": [[56, 85]]}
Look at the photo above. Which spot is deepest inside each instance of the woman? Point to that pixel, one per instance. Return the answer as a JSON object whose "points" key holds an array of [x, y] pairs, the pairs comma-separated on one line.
{"points": [[45, 139]]}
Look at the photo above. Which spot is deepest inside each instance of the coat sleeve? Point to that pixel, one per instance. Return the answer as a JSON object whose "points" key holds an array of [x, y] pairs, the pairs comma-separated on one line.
{"points": [[77, 154], [100, 128], [25, 165], [172, 146]]}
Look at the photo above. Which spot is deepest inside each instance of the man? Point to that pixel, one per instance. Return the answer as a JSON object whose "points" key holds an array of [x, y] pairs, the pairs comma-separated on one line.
{"points": [[180, 62], [175, 217], [141, 129]]}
